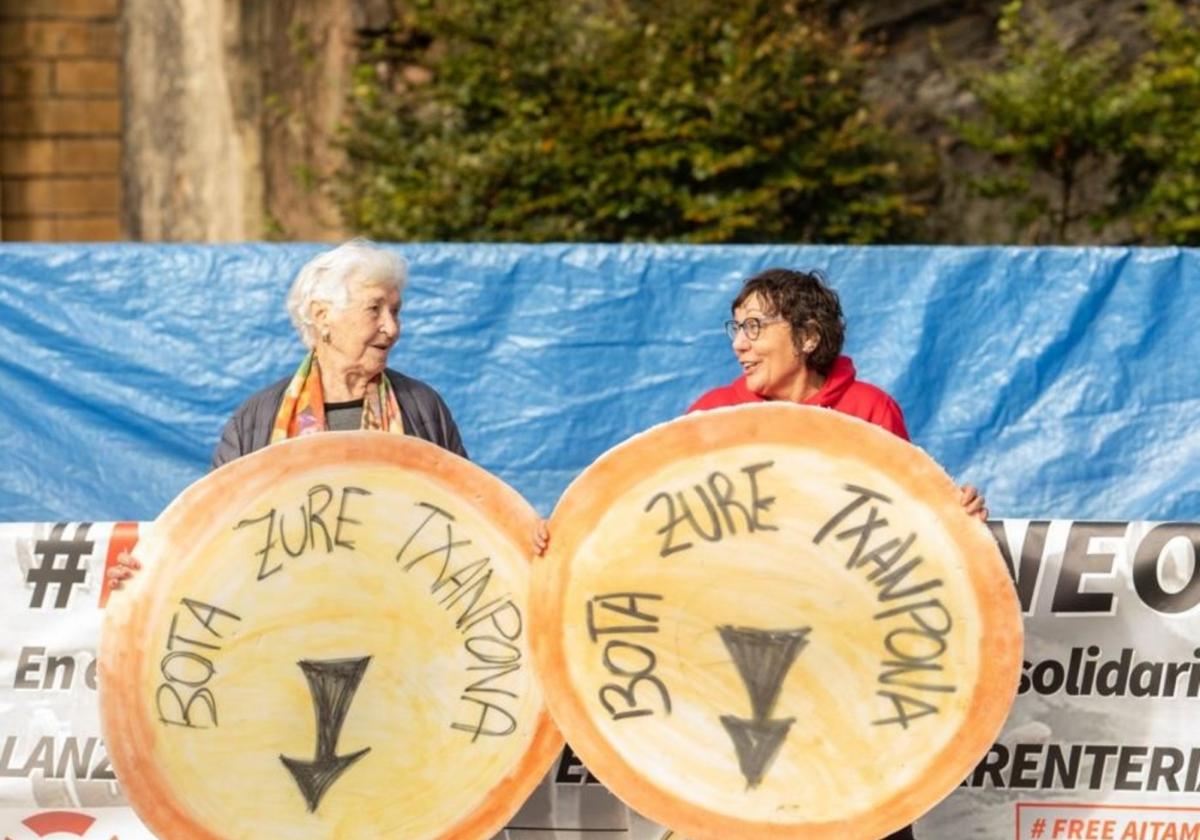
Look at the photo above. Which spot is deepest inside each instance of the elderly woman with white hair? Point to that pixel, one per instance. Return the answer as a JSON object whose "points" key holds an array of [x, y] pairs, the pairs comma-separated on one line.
{"points": [[345, 304]]}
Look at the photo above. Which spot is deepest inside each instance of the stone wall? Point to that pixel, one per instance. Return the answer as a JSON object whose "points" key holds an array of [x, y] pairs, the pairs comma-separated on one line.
{"points": [[60, 120], [916, 88], [216, 120]]}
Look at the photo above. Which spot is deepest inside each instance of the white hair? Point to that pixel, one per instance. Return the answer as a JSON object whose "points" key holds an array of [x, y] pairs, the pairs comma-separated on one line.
{"points": [[329, 277]]}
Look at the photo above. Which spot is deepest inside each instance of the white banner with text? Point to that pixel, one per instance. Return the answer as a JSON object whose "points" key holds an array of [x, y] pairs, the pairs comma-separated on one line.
{"points": [[1103, 741]]}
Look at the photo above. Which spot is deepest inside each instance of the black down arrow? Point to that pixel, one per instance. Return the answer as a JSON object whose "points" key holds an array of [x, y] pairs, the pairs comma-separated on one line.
{"points": [[332, 683]]}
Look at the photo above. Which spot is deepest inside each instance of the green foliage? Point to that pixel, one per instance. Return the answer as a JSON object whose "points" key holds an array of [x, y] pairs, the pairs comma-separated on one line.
{"points": [[619, 120], [1159, 177], [1050, 110], [1059, 112]]}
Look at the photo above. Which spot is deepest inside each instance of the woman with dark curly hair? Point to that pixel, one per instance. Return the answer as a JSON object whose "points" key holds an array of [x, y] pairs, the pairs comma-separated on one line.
{"points": [[787, 332]]}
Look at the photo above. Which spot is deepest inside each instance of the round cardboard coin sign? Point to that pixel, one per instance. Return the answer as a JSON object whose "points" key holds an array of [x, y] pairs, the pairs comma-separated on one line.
{"points": [[329, 639], [774, 622]]}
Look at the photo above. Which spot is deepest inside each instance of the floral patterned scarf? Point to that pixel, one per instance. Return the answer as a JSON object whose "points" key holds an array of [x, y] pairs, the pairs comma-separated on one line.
{"points": [[302, 411]]}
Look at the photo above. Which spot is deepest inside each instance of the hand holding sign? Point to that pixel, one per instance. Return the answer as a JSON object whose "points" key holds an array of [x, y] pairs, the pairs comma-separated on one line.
{"points": [[774, 622], [329, 640]]}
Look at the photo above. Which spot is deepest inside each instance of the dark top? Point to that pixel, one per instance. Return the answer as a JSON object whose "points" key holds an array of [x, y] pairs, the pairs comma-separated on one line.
{"points": [[425, 413], [344, 416]]}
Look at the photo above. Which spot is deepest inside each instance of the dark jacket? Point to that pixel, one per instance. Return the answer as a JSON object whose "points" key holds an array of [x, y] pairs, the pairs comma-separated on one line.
{"points": [[425, 416]]}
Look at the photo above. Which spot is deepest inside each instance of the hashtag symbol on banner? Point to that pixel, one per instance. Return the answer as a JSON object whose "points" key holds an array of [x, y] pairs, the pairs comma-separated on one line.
{"points": [[1037, 829], [46, 571]]}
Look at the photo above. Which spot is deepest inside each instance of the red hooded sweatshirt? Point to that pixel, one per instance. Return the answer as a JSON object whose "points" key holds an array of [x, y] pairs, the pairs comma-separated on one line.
{"points": [[841, 392]]}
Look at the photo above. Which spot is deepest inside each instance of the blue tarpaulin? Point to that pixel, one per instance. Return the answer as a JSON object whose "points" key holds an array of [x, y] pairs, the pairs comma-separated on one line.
{"points": [[1060, 381]]}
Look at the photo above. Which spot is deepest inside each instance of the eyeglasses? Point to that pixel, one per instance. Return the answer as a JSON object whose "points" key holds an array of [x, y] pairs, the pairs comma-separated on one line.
{"points": [[751, 327]]}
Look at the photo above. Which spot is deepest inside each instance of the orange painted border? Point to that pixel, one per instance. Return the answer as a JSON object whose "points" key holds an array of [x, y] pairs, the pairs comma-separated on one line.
{"points": [[614, 473], [130, 735]]}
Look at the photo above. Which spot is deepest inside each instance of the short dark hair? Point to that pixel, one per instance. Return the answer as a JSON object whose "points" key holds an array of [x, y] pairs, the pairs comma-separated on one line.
{"points": [[804, 300]]}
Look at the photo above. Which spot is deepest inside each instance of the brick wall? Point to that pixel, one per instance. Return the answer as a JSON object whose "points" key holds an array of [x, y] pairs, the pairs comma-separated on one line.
{"points": [[60, 120]]}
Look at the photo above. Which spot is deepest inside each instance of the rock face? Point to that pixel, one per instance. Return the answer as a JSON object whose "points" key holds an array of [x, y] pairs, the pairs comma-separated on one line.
{"points": [[918, 93], [190, 153], [60, 120], [232, 106], [306, 50]]}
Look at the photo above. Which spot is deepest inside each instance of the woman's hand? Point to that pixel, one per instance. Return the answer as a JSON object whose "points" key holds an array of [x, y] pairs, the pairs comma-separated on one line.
{"points": [[541, 538], [973, 503], [124, 570]]}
